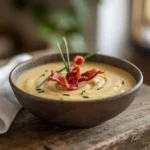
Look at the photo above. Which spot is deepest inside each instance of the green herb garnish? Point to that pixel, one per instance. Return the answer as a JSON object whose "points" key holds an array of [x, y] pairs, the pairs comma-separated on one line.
{"points": [[41, 91], [43, 74], [62, 56], [91, 54], [85, 96], [123, 82], [46, 70], [99, 88], [67, 64], [83, 92], [66, 94], [67, 52], [38, 89]]}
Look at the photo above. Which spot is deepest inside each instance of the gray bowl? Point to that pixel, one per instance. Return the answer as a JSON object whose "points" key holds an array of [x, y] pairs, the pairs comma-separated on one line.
{"points": [[78, 114]]}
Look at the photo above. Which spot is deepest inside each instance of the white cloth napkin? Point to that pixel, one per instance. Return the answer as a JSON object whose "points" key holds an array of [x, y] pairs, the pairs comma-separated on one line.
{"points": [[9, 106]]}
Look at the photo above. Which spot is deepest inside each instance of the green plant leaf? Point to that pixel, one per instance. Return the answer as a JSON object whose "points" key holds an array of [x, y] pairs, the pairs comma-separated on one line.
{"points": [[77, 42]]}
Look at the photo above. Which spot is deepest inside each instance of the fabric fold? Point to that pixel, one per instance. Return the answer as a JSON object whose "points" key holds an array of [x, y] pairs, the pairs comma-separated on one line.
{"points": [[9, 106]]}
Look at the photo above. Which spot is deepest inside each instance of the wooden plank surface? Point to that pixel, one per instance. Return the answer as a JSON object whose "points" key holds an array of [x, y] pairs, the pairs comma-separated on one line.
{"points": [[128, 131]]}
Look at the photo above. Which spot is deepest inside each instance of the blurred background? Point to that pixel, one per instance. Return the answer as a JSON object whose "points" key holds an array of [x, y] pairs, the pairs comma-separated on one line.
{"points": [[116, 27]]}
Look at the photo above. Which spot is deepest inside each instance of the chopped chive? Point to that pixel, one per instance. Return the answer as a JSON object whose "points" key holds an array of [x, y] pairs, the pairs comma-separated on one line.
{"points": [[66, 94], [83, 92], [67, 52], [123, 82], [99, 88], [46, 70], [85, 96], [91, 54], [38, 89], [62, 56], [41, 91], [43, 74]]}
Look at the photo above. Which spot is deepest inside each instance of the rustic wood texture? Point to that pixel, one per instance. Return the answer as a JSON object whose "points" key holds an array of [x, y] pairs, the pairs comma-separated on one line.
{"points": [[128, 131]]}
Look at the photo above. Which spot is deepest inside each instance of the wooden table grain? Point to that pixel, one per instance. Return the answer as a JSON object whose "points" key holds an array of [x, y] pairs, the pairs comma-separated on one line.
{"points": [[128, 131]]}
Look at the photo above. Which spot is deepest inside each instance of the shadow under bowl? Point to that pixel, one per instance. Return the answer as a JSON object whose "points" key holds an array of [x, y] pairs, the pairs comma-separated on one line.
{"points": [[77, 114]]}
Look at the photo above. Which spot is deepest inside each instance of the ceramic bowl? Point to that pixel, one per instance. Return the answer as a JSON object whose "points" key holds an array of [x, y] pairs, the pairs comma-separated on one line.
{"points": [[78, 114]]}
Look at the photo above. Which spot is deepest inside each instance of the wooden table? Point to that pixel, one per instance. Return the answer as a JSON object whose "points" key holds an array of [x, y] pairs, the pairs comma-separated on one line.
{"points": [[128, 131]]}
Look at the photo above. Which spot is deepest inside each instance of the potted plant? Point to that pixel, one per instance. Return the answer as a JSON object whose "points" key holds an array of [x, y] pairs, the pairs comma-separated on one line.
{"points": [[75, 19]]}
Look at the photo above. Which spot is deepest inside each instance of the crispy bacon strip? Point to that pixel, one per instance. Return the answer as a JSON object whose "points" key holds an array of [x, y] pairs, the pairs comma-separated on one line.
{"points": [[57, 76], [78, 60], [90, 74], [73, 77]]}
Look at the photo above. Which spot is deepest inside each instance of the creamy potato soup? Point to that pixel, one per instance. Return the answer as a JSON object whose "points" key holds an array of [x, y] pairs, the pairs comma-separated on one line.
{"points": [[114, 81]]}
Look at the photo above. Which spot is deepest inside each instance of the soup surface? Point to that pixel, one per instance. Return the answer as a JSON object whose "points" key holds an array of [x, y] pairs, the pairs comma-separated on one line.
{"points": [[114, 81]]}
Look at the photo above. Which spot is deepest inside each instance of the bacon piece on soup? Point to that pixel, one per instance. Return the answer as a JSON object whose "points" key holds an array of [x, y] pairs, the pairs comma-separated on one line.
{"points": [[73, 75], [78, 60], [57, 76], [90, 74]]}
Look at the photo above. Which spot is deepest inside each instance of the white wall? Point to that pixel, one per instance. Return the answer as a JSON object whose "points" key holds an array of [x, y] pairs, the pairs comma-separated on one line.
{"points": [[113, 26]]}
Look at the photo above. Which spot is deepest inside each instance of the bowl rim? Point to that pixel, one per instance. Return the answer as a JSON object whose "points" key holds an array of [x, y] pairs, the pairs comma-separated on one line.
{"points": [[111, 98]]}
